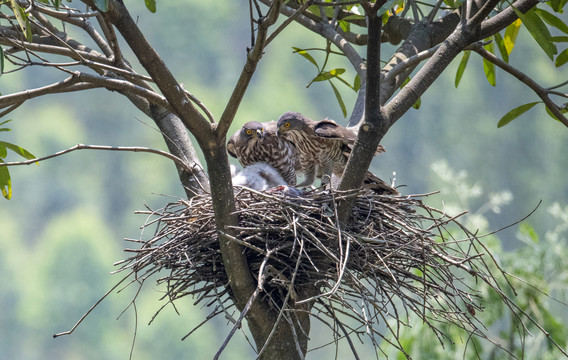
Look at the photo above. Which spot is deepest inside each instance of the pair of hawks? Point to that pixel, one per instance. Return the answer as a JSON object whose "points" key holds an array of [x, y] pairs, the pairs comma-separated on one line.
{"points": [[298, 144]]}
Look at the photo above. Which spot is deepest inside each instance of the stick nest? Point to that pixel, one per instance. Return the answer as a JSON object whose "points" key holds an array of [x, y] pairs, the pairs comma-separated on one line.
{"points": [[394, 258]]}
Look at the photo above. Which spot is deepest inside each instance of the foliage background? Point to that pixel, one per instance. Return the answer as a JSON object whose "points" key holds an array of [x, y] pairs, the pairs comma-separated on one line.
{"points": [[64, 227]]}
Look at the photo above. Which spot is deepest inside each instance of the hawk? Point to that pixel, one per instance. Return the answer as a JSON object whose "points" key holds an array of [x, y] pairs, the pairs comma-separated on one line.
{"points": [[259, 176], [323, 148], [257, 142]]}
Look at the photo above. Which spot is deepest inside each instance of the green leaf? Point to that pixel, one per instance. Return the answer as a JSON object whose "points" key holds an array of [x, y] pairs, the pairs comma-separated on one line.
{"points": [[417, 104], [357, 83], [454, 4], [528, 232], [559, 39], [328, 75], [387, 6], [489, 67], [516, 112], [29, 35], [501, 46], [538, 31], [102, 5], [339, 99], [552, 20], [3, 151], [305, 54], [20, 15], [511, 35], [562, 58], [18, 150], [345, 26], [151, 5], [4, 122], [353, 17], [562, 110], [461, 67], [5, 182], [557, 5]]}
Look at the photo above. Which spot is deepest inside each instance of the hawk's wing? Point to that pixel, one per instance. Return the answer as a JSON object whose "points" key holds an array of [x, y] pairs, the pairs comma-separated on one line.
{"points": [[231, 144], [331, 130]]}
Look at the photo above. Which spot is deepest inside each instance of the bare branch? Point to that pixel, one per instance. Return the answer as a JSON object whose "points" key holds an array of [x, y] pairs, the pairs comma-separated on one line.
{"points": [[81, 81], [409, 62], [9, 37], [119, 16], [102, 147], [329, 33], [80, 20], [253, 58], [482, 13], [287, 22], [72, 83]]}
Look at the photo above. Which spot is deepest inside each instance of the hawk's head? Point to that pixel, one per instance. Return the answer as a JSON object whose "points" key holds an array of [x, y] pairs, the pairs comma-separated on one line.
{"points": [[251, 130], [239, 141], [292, 121]]}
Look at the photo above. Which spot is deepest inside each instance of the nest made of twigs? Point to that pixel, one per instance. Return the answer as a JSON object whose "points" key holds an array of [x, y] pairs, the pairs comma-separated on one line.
{"points": [[394, 257]]}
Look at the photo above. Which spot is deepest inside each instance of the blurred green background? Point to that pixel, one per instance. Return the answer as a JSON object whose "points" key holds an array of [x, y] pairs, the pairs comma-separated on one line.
{"points": [[64, 227]]}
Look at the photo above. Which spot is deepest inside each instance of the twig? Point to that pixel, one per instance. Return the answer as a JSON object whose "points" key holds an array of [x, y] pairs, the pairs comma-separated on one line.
{"points": [[540, 91], [92, 307], [102, 147], [253, 57]]}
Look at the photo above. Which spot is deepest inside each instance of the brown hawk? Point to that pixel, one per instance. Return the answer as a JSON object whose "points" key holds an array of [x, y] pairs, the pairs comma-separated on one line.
{"points": [[257, 142], [323, 149]]}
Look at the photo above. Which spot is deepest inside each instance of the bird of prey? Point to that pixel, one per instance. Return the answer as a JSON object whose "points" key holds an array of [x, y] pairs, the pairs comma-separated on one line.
{"points": [[324, 147], [259, 176], [257, 142], [263, 177]]}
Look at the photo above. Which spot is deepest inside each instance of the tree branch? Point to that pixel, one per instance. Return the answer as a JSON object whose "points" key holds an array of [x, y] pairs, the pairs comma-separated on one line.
{"points": [[287, 22], [424, 78], [373, 123], [539, 90], [119, 16], [102, 147], [482, 13], [81, 81], [503, 19], [72, 83], [253, 57]]}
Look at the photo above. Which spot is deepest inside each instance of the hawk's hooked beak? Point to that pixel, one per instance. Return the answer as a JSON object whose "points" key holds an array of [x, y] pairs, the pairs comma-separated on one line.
{"points": [[260, 133]]}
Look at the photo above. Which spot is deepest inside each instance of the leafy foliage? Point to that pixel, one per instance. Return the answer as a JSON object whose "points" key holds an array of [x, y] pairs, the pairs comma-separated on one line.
{"points": [[329, 75], [538, 271], [5, 180]]}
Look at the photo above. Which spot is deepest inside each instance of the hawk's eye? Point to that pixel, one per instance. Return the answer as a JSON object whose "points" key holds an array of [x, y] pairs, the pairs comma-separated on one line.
{"points": [[287, 124], [249, 132]]}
